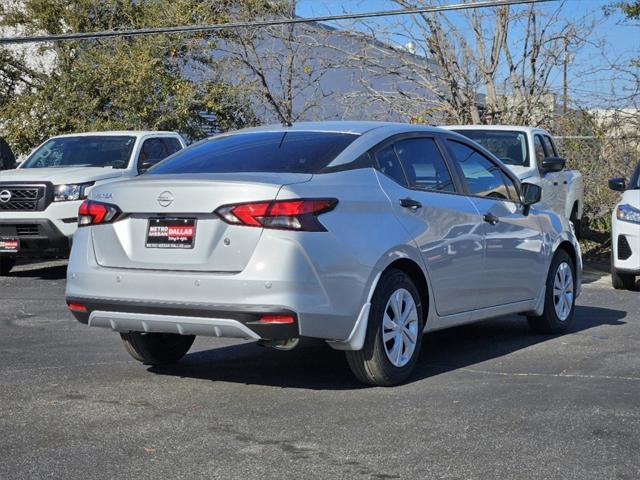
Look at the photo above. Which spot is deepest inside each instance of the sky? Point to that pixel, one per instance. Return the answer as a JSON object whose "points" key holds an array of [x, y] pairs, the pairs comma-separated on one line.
{"points": [[590, 80]]}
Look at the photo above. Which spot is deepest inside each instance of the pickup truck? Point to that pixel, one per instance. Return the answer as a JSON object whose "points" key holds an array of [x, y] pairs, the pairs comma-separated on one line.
{"points": [[39, 200], [533, 156]]}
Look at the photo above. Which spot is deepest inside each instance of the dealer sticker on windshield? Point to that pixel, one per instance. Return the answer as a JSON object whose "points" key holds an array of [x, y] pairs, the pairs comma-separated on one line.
{"points": [[171, 233]]}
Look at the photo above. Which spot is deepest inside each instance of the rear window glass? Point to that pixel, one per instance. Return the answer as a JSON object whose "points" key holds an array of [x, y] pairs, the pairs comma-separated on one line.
{"points": [[510, 147], [279, 152]]}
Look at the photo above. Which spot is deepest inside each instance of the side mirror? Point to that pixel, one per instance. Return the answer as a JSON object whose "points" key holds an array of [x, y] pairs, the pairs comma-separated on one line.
{"points": [[618, 184], [553, 164], [530, 193]]}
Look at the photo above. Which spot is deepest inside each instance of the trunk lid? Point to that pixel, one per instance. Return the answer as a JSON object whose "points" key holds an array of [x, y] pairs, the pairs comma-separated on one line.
{"points": [[217, 246]]}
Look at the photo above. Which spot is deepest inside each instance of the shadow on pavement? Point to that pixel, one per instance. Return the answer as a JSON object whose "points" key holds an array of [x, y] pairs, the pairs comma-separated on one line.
{"points": [[322, 368], [41, 271]]}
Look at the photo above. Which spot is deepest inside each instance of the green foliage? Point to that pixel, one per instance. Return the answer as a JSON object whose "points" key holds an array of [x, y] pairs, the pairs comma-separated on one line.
{"points": [[631, 9], [123, 83]]}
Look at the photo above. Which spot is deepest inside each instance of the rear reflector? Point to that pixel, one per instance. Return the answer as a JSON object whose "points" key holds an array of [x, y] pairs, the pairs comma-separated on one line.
{"points": [[76, 307], [277, 319], [299, 214]]}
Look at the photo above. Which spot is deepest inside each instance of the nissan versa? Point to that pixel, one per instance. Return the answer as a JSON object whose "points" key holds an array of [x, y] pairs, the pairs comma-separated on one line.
{"points": [[362, 234]]}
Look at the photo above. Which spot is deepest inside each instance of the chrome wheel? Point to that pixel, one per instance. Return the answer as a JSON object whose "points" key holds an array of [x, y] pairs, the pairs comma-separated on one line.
{"points": [[563, 291], [400, 327]]}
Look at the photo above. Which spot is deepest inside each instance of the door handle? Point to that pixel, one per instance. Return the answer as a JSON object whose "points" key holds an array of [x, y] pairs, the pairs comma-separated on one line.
{"points": [[410, 203], [491, 219]]}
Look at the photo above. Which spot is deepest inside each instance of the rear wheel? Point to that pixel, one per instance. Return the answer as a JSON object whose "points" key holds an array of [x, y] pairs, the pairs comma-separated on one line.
{"points": [[394, 333], [622, 281], [157, 348], [6, 264], [559, 302]]}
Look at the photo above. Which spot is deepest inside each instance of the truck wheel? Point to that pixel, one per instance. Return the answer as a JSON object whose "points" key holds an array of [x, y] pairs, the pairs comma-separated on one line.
{"points": [[559, 301], [157, 348], [621, 281], [6, 264], [394, 333]]}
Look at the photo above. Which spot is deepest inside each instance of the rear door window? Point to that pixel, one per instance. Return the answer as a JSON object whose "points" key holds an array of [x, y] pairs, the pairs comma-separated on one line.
{"points": [[423, 164], [278, 152], [389, 164]]}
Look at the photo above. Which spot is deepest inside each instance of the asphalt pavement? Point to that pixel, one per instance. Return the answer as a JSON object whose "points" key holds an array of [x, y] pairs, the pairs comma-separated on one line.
{"points": [[487, 401]]}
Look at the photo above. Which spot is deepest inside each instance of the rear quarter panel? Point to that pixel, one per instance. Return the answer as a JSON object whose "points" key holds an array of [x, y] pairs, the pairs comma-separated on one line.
{"points": [[363, 234]]}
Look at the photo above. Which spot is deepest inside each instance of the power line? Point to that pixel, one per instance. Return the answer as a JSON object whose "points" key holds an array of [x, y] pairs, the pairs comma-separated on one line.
{"points": [[262, 23]]}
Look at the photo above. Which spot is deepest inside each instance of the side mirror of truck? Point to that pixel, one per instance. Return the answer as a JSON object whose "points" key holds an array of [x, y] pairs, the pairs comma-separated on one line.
{"points": [[553, 164], [618, 184], [530, 193]]}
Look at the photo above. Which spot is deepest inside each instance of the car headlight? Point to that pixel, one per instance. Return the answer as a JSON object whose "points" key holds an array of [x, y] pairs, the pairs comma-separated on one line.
{"points": [[70, 192], [627, 213]]}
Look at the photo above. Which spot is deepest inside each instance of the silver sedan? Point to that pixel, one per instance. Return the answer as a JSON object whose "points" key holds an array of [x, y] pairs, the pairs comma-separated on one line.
{"points": [[363, 234]]}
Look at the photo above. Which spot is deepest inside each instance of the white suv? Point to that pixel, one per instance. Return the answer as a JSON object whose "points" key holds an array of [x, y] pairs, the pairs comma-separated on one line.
{"points": [[39, 200], [625, 232]]}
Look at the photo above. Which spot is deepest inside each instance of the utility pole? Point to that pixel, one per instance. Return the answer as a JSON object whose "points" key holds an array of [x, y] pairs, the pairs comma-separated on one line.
{"points": [[565, 78]]}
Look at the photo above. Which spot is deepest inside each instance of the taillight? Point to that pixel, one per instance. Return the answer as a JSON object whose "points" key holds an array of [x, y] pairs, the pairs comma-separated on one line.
{"points": [[95, 213], [300, 214]]}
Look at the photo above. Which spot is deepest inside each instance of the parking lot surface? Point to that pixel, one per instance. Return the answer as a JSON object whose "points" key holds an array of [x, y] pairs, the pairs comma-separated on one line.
{"points": [[490, 400]]}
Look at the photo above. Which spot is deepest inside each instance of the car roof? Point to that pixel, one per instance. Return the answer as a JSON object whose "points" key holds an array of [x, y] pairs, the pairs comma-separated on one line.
{"points": [[114, 133], [497, 128], [355, 127]]}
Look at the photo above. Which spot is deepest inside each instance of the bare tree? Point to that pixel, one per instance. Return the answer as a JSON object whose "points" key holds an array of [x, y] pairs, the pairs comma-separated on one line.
{"points": [[283, 67], [491, 65]]}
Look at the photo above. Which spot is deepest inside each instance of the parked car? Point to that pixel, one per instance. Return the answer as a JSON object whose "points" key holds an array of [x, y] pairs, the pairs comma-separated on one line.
{"points": [[362, 234], [625, 232], [7, 158], [39, 200], [533, 156]]}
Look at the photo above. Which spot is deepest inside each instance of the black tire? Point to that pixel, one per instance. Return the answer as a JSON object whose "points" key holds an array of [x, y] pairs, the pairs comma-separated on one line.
{"points": [[157, 348], [549, 322], [6, 264], [371, 364], [622, 281]]}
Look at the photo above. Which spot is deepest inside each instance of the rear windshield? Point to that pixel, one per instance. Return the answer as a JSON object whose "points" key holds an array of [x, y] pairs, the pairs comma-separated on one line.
{"points": [[86, 151], [278, 152], [510, 147]]}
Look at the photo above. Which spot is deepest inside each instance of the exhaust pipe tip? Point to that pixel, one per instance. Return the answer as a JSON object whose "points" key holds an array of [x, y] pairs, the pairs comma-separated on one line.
{"points": [[284, 345]]}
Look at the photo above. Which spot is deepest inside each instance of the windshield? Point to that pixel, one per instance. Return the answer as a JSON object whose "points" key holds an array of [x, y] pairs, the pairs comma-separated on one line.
{"points": [[510, 147], [85, 151], [279, 152]]}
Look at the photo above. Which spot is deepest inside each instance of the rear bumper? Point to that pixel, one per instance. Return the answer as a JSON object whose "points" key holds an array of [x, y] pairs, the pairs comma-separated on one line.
{"points": [[323, 294], [183, 319]]}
